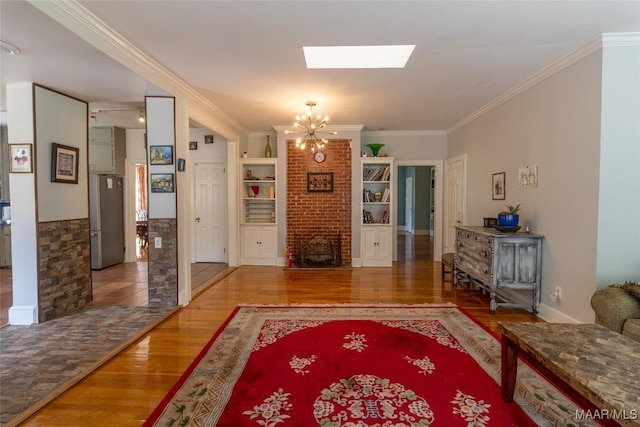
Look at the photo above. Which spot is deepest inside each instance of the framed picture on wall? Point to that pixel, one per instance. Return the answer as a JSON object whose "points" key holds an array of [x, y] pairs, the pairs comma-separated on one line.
{"points": [[21, 158], [162, 183], [64, 163], [498, 186], [319, 182], [208, 139], [161, 155]]}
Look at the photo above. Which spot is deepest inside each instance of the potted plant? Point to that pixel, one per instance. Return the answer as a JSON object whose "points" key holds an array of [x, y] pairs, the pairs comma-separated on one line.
{"points": [[510, 217]]}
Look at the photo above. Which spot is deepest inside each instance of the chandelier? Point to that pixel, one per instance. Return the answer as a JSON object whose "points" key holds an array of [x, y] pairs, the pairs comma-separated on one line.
{"points": [[311, 125]]}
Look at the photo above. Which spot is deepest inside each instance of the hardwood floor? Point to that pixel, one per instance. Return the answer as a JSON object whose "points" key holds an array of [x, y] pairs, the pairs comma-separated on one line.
{"points": [[124, 391]]}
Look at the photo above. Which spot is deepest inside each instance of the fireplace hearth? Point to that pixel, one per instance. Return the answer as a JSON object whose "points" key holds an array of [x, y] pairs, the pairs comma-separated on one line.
{"points": [[318, 248]]}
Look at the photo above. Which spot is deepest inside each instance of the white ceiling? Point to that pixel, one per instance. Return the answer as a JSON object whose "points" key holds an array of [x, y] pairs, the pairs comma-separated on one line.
{"points": [[246, 56]]}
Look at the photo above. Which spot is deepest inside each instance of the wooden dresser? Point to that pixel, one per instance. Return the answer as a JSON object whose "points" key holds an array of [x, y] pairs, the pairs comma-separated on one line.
{"points": [[507, 265]]}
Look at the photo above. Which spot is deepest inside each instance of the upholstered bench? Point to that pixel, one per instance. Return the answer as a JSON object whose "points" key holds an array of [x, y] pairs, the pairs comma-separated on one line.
{"points": [[448, 263]]}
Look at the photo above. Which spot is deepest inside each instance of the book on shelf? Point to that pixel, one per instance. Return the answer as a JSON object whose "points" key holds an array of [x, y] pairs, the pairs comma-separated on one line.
{"points": [[385, 218], [385, 195], [376, 174], [367, 217]]}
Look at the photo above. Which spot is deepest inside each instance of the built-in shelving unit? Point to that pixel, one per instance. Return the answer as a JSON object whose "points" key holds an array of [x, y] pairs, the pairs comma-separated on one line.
{"points": [[377, 211], [258, 216]]}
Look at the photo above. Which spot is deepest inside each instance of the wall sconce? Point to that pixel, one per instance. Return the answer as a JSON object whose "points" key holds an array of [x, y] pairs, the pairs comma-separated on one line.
{"points": [[93, 117], [141, 117]]}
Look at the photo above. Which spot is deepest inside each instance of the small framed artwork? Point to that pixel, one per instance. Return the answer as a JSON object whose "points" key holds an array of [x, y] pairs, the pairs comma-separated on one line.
{"points": [[208, 139], [319, 182], [21, 158], [162, 183], [193, 145], [528, 177], [64, 163], [497, 186], [161, 155]]}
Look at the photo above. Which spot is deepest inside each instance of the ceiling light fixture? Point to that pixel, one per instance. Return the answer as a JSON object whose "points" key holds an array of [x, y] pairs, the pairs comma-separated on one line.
{"points": [[311, 125], [141, 117], [7, 49]]}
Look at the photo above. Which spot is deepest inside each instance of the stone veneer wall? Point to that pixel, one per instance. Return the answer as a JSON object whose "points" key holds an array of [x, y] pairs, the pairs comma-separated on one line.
{"points": [[163, 263], [327, 211], [64, 267]]}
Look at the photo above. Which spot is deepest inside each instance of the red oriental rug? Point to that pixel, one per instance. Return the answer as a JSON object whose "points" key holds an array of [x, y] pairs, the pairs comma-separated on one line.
{"points": [[336, 366]]}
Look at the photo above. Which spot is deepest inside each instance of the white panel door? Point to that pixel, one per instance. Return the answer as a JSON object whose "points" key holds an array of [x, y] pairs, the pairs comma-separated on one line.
{"points": [[210, 212], [454, 199]]}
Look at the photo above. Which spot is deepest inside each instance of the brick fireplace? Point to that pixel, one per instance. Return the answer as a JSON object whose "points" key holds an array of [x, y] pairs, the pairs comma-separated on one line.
{"points": [[320, 213]]}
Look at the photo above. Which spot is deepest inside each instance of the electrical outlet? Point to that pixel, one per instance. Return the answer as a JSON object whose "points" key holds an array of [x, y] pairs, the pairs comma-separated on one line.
{"points": [[157, 242], [558, 293]]}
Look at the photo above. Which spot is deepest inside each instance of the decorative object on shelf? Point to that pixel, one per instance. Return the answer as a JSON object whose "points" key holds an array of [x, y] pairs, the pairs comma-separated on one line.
{"points": [[193, 145], [249, 176], [267, 148], [307, 123], [490, 222], [498, 186], [245, 155], [64, 163], [528, 177], [21, 158], [255, 190], [319, 156], [377, 196], [375, 148], [510, 217], [319, 182], [208, 139], [161, 155]]}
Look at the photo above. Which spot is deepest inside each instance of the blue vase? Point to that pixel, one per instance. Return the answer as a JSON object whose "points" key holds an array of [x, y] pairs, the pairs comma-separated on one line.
{"points": [[508, 220]]}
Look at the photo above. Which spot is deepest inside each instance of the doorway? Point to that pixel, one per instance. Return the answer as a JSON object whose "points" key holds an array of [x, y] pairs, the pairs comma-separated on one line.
{"points": [[416, 207], [142, 226]]}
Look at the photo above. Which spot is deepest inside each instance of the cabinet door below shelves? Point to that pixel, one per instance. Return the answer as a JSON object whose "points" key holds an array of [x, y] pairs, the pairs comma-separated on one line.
{"points": [[259, 245], [376, 246]]}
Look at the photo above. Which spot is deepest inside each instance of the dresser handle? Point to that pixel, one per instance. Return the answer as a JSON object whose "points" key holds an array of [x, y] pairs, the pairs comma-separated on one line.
{"points": [[483, 253]]}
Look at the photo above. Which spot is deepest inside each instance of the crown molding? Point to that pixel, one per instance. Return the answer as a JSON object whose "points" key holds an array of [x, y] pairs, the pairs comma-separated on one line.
{"points": [[405, 133], [608, 39], [328, 128], [620, 39], [79, 20]]}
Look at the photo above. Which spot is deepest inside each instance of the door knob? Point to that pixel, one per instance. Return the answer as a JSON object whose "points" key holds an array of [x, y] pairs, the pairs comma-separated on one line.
{"points": [[197, 219]]}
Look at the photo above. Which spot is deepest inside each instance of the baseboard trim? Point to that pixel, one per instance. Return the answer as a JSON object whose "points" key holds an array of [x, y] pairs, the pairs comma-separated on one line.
{"points": [[552, 315], [23, 315]]}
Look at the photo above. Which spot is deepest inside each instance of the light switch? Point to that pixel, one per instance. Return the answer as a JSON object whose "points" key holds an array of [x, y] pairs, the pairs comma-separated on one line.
{"points": [[157, 242]]}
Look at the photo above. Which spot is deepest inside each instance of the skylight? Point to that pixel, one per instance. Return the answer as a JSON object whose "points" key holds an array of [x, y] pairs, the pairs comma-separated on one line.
{"points": [[394, 56]]}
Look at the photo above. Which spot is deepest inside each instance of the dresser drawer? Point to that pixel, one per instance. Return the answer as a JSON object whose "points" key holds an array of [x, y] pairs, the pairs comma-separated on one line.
{"points": [[474, 258]]}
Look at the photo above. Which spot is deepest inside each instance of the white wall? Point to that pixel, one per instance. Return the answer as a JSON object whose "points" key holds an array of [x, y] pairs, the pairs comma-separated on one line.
{"points": [[215, 151], [405, 145], [63, 120], [555, 125], [160, 114], [619, 209], [135, 144], [24, 250], [34, 198]]}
